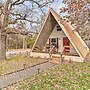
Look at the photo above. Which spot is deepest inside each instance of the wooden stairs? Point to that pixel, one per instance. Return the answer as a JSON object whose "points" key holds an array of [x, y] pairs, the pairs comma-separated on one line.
{"points": [[56, 59]]}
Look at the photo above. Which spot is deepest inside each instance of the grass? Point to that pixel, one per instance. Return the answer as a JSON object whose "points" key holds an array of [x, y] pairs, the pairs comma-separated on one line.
{"points": [[74, 76], [15, 63]]}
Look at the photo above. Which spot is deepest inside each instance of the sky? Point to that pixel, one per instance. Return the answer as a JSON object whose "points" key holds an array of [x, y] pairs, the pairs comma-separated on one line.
{"points": [[57, 5]]}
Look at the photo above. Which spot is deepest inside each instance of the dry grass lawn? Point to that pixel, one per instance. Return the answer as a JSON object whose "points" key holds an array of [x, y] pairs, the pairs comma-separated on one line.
{"points": [[68, 76], [15, 63]]}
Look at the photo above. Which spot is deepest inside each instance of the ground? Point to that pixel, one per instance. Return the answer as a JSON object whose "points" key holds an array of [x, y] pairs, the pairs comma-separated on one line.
{"points": [[65, 76], [17, 62]]}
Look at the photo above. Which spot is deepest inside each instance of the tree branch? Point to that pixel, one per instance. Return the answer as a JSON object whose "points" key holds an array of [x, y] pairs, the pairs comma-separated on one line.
{"points": [[24, 17]]}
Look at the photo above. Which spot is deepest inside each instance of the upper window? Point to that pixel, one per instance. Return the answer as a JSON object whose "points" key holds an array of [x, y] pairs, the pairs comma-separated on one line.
{"points": [[59, 28]]}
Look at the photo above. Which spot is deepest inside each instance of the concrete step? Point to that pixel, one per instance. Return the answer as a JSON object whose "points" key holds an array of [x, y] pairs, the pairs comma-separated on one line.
{"points": [[55, 61]]}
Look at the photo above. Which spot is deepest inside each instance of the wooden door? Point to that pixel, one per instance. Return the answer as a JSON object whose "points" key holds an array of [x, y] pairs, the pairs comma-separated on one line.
{"points": [[66, 44]]}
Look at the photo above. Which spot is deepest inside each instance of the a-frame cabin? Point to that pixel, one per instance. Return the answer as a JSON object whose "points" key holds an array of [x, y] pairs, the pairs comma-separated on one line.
{"points": [[58, 32]]}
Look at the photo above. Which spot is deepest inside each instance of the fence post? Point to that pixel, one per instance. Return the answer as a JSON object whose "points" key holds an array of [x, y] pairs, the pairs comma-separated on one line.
{"points": [[24, 66], [38, 70]]}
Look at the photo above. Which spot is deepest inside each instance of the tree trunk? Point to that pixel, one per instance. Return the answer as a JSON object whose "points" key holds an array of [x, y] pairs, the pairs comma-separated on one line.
{"points": [[24, 42], [7, 43], [16, 45], [3, 25], [2, 47]]}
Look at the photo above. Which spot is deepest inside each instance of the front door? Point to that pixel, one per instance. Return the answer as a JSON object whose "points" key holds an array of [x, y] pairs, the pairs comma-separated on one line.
{"points": [[66, 44]]}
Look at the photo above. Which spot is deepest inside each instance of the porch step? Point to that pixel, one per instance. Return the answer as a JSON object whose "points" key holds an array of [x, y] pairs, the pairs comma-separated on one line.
{"points": [[56, 57], [66, 50], [55, 61]]}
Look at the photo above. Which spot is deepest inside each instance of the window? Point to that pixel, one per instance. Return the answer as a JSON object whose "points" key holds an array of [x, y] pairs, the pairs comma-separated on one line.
{"points": [[53, 41], [59, 28]]}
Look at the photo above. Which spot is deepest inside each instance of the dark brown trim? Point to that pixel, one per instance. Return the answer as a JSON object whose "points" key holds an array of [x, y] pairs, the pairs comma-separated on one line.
{"points": [[57, 42], [49, 41]]}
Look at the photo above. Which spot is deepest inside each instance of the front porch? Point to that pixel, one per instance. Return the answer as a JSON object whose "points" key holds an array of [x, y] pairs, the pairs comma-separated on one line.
{"points": [[53, 49]]}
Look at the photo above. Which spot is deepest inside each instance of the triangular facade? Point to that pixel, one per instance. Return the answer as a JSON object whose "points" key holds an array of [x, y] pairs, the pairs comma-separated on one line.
{"points": [[64, 34]]}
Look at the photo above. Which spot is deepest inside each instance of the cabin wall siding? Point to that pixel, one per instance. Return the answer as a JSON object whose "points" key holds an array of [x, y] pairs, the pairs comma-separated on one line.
{"points": [[60, 35]]}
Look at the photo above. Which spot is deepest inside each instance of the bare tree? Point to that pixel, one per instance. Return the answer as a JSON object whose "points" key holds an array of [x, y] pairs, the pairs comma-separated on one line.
{"points": [[78, 12], [16, 11]]}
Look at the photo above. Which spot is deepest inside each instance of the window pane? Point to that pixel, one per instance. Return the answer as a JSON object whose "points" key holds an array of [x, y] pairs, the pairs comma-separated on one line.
{"points": [[59, 28]]}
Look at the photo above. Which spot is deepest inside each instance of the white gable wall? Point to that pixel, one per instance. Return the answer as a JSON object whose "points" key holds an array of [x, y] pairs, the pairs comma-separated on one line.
{"points": [[60, 35], [57, 34]]}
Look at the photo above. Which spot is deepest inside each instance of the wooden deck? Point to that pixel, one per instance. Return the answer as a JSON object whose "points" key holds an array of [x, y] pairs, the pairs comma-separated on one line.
{"points": [[66, 57]]}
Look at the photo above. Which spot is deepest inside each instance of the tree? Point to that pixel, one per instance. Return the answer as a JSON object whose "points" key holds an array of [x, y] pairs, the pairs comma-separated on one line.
{"points": [[78, 12], [13, 12], [31, 41]]}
